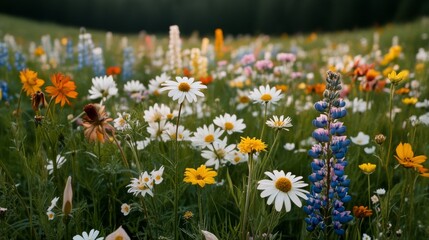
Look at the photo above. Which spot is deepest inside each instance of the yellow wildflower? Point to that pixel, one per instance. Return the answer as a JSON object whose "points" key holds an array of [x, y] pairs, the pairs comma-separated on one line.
{"points": [[251, 145], [367, 168]]}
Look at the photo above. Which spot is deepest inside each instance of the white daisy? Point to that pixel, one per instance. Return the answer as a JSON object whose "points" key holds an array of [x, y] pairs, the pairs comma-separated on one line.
{"points": [[282, 188], [238, 157], [218, 154], [156, 129], [205, 136], [50, 214], [169, 134], [183, 88], [157, 113], [103, 87], [155, 84], [142, 185], [93, 234], [366, 237], [230, 123], [125, 209], [121, 123], [265, 94], [60, 162], [135, 90], [157, 175], [361, 139], [280, 122], [242, 99]]}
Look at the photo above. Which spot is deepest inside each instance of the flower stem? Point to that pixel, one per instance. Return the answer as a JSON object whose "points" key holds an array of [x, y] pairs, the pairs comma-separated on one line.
{"points": [[247, 202], [121, 151], [200, 209], [389, 178], [176, 179], [265, 120]]}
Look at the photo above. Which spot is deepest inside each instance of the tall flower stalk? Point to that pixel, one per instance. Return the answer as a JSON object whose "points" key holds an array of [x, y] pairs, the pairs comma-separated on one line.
{"points": [[181, 89], [249, 146], [329, 184]]}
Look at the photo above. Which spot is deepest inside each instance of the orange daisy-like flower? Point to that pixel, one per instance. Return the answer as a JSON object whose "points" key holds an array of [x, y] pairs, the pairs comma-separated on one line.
{"points": [[96, 123], [361, 211], [406, 158], [30, 82], [62, 89]]}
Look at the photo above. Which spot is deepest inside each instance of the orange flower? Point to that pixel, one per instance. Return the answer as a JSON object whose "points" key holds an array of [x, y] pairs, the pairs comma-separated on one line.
{"points": [[31, 83], [371, 75], [114, 70], [206, 80], [361, 212], [39, 51], [402, 91], [281, 87], [405, 156], [96, 123], [424, 172], [62, 88]]}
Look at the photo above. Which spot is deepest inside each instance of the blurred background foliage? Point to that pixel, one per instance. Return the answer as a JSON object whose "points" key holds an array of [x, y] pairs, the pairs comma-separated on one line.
{"points": [[234, 17]]}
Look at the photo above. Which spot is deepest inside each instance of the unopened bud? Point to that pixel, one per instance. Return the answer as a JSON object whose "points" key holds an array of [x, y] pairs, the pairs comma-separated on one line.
{"points": [[380, 138]]}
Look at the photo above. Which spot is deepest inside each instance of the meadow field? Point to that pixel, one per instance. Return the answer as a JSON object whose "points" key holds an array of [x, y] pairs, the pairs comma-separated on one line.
{"points": [[310, 136]]}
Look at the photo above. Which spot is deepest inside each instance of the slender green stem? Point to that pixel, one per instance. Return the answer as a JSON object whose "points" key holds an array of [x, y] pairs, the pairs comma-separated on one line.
{"points": [[18, 110], [265, 120], [146, 213], [200, 209], [124, 159], [389, 178], [247, 202], [411, 193], [77, 117], [176, 180], [369, 191]]}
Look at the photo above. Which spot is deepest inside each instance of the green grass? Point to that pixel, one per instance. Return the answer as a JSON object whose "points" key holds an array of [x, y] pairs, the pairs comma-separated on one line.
{"points": [[100, 176]]}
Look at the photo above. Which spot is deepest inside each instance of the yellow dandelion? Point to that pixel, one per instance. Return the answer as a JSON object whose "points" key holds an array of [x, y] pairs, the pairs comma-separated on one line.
{"points": [[251, 145]]}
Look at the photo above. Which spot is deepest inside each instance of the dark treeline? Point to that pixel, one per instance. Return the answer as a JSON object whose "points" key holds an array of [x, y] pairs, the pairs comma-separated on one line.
{"points": [[233, 16]]}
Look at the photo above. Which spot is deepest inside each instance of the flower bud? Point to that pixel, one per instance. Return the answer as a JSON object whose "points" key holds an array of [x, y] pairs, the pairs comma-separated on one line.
{"points": [[380, 138]]}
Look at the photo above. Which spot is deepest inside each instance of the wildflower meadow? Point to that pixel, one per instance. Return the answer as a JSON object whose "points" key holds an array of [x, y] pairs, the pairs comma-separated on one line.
{"points": [[173, 136]]}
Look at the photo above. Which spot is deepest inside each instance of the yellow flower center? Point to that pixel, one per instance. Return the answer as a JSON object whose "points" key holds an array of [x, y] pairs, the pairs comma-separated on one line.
{"points": [[220, 153], [158, 177], [173, 136], [199, 177], [209, 138], [122, 122], [170, 116], [266, 97], [229, 126], [119, 238], [142, 187], [283, 184], [146, 179], [184, 87], [237, 159], [244, 99], [278, 123]]}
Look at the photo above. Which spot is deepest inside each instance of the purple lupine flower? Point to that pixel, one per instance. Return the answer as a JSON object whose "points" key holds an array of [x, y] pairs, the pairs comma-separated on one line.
{"points": [[329, 183]]}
